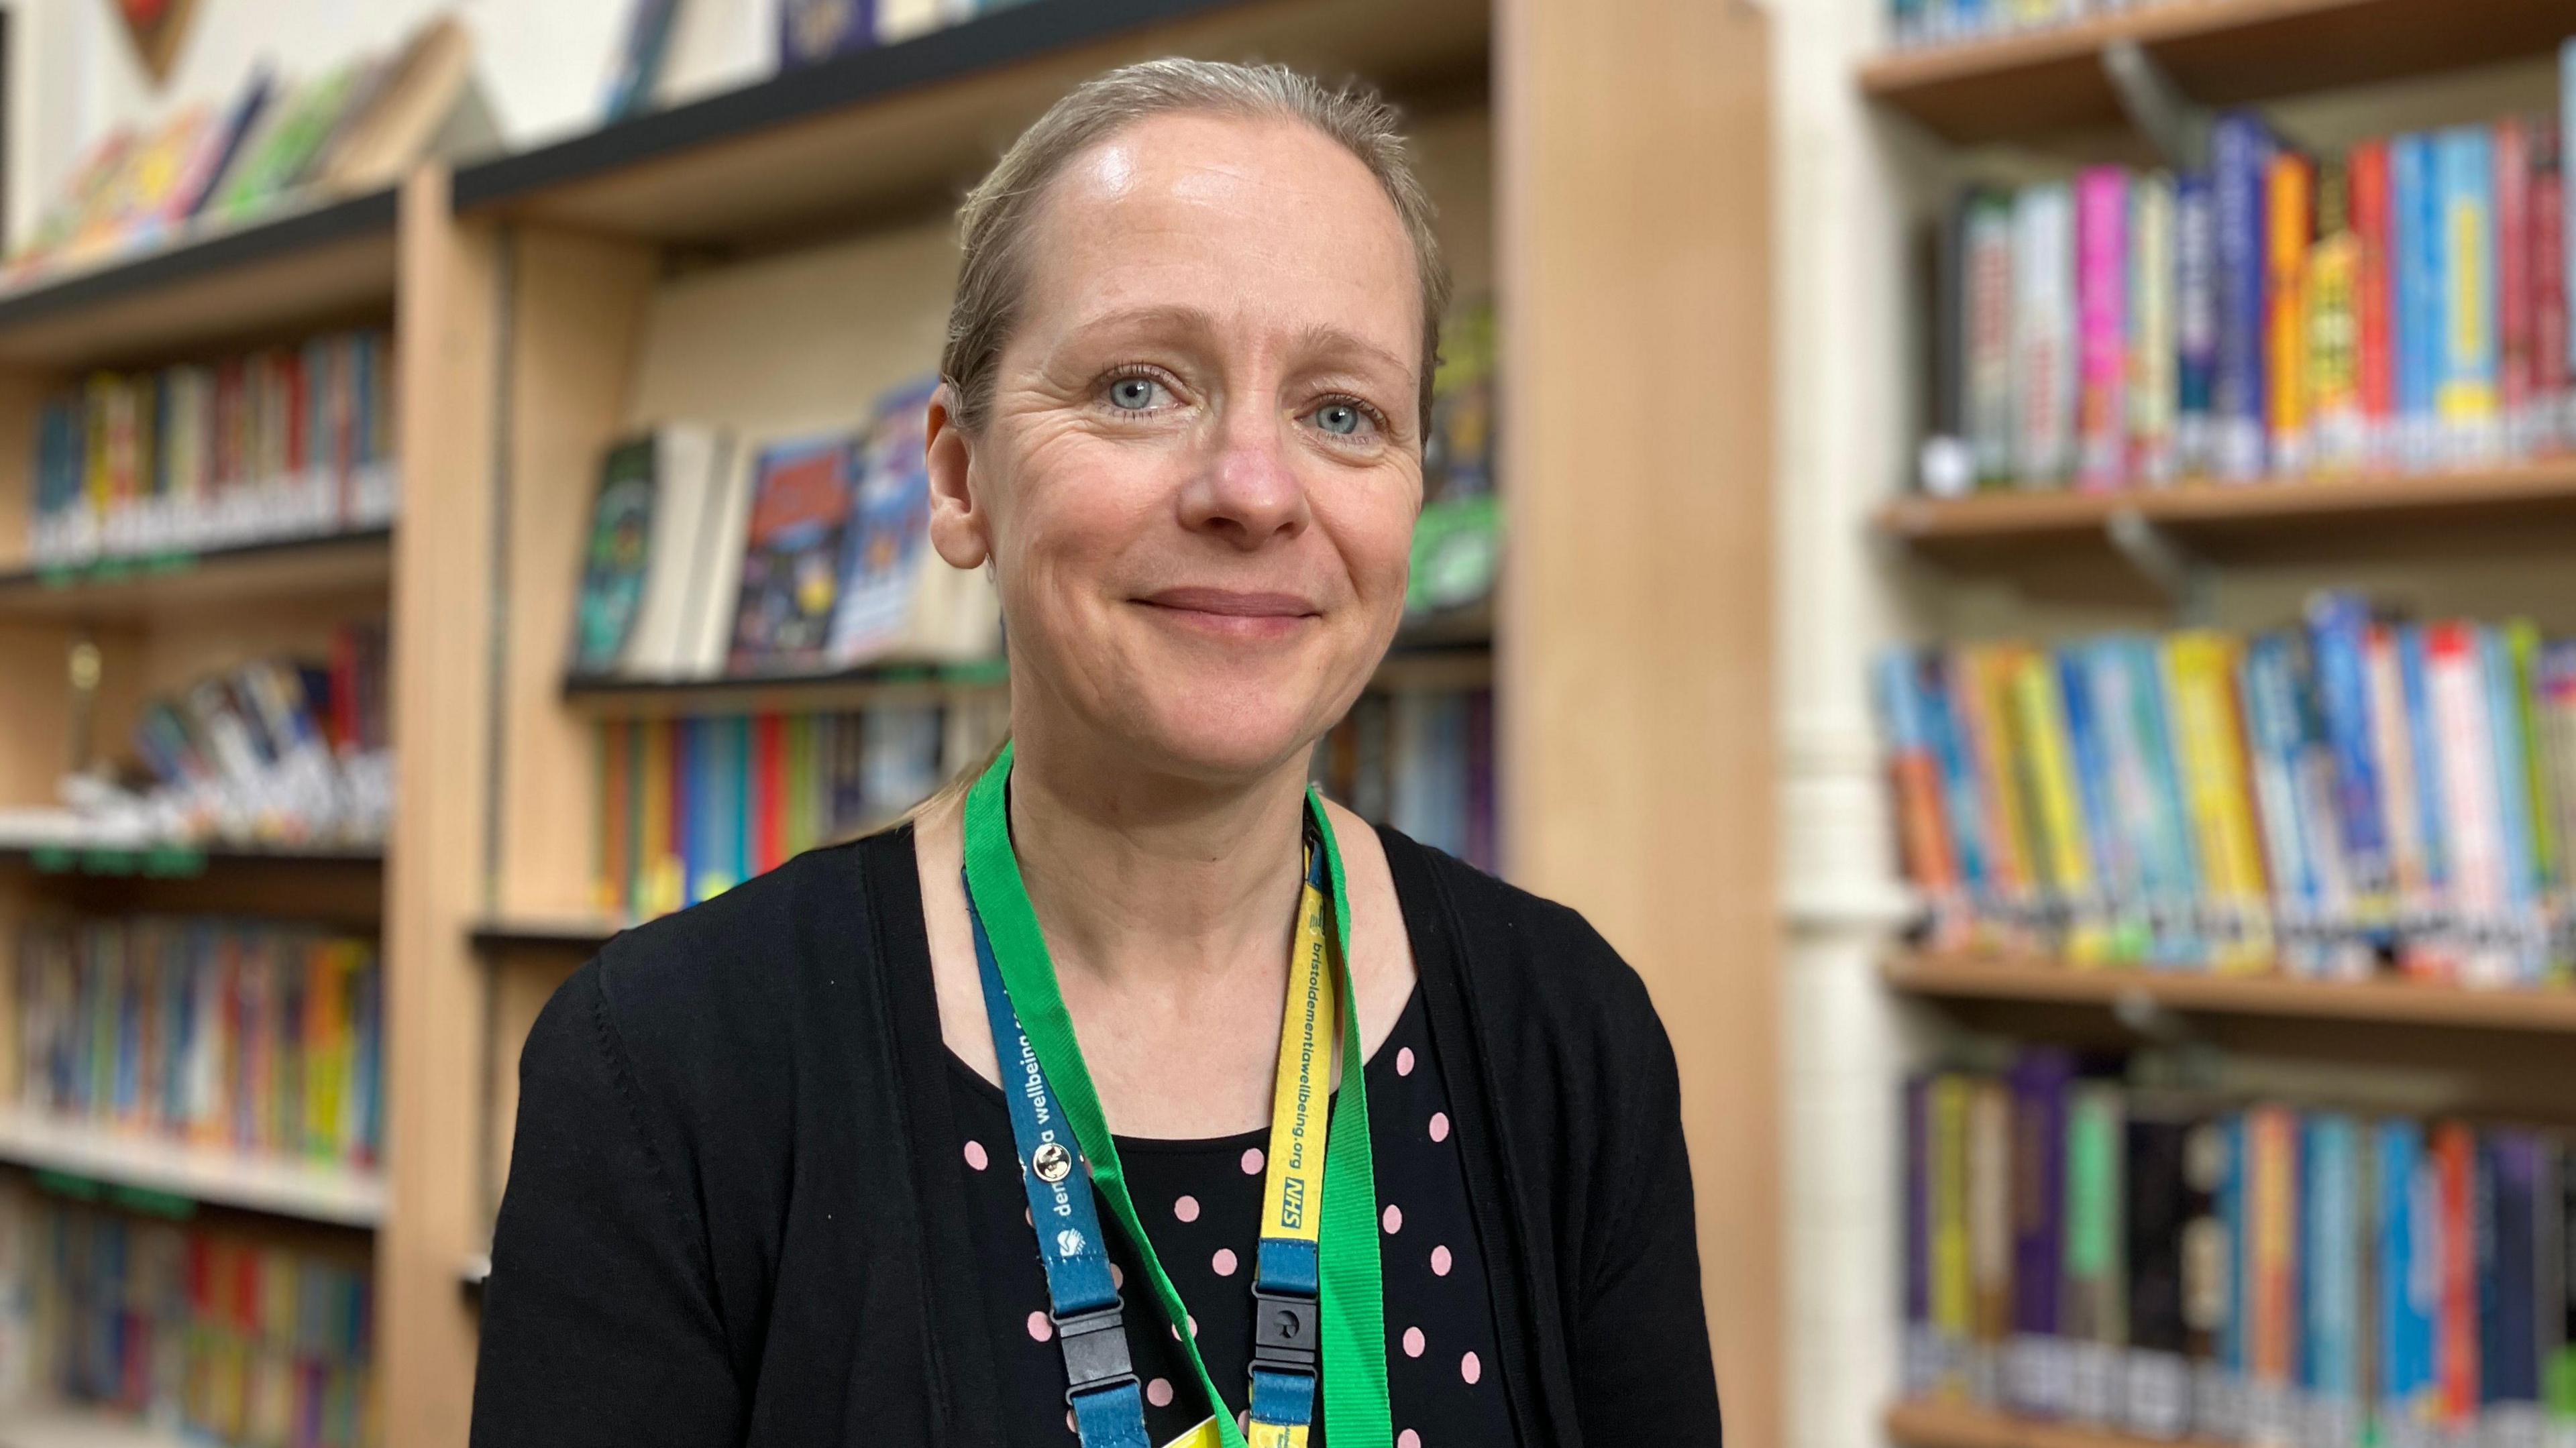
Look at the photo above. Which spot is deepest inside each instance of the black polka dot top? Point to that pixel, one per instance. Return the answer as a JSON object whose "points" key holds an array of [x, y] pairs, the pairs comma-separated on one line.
{"points": [[1201, 1202]]}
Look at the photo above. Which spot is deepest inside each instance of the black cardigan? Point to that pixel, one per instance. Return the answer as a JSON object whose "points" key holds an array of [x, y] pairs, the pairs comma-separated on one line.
{"points": [[734, 1214]]}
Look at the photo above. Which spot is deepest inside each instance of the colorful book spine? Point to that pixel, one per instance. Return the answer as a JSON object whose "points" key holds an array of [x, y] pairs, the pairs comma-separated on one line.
{"points": [[2241, 163], [2510, 151], [2288, 223], [2550, 374], [2152, 386], [2415, 211], [2465, 401], [2036, 1377], [2366, 172], [2102, 304], [1987, 275], [2337, 430], [2196, 303], [2044, 335]]}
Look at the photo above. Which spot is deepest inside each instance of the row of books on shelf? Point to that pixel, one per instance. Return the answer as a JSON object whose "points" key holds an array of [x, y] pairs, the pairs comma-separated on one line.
{"points": [[2401, 306], [1940, 22], [350, 128], [242, 1035], [810, 31], [2357, 793], [279, 443], [198, 1331], [2167, 1262], [710, 555], [1421, 761], [278, 752], [690, 808]]}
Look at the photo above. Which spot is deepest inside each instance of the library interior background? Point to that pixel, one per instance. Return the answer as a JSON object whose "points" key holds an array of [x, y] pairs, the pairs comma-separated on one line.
{"points": [[2017, 558]]}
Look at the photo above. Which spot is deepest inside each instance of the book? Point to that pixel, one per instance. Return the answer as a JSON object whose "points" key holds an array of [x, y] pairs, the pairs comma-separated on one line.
{"points": [[2102, 317], [2465, 399], [2196, 303], [292, 136], [790, 570], [810, 31], [2366, 171], [380, 135], [2095, 1267], [2241, 163], [2045, 359], [2153, 388], [641, 52], [2288, 228], [897, 598]]}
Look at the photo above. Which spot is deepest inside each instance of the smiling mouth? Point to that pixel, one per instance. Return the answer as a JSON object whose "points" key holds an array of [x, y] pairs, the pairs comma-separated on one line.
{"points": [[1231, 613]]}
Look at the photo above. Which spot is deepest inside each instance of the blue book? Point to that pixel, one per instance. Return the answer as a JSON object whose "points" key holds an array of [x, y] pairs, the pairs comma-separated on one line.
{"points": [[2337, 626], [2408, 1274], [2415, 229], [2520, 862], [718, 787], [2195, 321], [1959, 807], [2515, 1245], [2116, 900], [2330, 1264], [689, 783], [2221, 1411], [2274, 746], [2240, 160], [2464, 395], [2175, 899]]}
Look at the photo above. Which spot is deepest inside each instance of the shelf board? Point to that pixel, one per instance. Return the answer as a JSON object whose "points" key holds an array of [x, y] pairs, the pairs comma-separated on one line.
{"points": [[161, 584], [583, 934], [2217, 513], [339, 1195], [2403, 1002], [2218, 52], [321, 263], [65, 1426], [177, 860], [1965, 1425], [905, 124]]}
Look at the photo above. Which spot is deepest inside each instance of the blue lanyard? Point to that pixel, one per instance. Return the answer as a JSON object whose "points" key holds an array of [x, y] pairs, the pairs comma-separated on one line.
{"points": [[1082, 1298]]}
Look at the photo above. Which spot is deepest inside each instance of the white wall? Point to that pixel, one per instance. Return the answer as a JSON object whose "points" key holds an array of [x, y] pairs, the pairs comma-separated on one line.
{"points": [[543, 64]]}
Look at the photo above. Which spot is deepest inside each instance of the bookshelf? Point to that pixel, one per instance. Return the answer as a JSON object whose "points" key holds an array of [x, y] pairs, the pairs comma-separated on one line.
{"points": [[80, 1428], [307, 1191], [178, 581], [2486, 540]]}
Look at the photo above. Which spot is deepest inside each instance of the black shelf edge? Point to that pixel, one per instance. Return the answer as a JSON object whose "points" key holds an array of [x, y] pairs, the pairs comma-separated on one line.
{"points": [[987, 43], [217, 251], [609, 686], [498, 933], [125, 568]]}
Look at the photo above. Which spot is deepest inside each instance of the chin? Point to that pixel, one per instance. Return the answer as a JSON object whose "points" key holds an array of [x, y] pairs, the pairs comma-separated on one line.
{"points": [[1225, 734]]}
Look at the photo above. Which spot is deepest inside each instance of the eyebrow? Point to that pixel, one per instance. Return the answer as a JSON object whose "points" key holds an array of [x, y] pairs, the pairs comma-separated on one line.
{"points": [[1320, 337]]}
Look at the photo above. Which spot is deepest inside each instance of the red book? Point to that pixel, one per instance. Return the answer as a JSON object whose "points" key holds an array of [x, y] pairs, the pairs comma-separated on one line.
{"points": [[344, 688], [768, 841], [2548, 284], [2513, 279], [2367, 174], [2456, 1320]]}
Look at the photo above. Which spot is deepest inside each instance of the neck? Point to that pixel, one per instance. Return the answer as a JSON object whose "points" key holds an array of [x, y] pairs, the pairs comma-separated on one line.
{"points": [[1151, 881]]}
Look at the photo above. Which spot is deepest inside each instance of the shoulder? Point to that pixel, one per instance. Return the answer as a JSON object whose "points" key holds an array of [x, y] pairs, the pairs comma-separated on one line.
{"points": [[1519, 955], [707, 1002]]}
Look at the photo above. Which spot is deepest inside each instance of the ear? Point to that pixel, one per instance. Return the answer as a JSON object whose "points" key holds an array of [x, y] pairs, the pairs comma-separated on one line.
{"points": [[960, 526]]}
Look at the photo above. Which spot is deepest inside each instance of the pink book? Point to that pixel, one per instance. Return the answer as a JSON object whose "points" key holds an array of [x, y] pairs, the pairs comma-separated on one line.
{"points": [[2102, 325]]}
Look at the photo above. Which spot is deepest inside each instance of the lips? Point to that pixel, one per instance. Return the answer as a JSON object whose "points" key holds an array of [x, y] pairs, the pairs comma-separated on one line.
{"points": [[1231, 614]]}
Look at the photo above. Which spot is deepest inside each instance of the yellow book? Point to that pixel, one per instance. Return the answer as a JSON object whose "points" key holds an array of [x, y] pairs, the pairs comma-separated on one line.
{"points": [[2334, 356], [2287, 222], [657, 865], [2200, 676], [1983, 672], [1946, 1201], [2040, 729]]}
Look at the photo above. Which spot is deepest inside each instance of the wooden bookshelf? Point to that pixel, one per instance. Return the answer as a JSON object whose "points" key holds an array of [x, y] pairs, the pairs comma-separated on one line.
{"points": [[2405, 1002], [309, 1191], [1965, 1425], [2026, 83], [175, 860], [314, 265], [153, 585], [900, 127], [2216, 515]]}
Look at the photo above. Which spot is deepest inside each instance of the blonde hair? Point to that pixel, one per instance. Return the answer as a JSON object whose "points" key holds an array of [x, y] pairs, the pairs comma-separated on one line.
{"points": [[998, 215]]}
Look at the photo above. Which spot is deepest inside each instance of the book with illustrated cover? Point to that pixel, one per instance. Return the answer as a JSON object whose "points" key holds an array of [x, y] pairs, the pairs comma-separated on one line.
{"points": [[790, 580], [888, 572], [292, 135], [632, 607]]}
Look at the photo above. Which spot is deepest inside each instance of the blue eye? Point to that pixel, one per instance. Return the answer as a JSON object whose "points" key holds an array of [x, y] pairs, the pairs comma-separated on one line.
{"points": [[1339, 418], [1135, 394]]}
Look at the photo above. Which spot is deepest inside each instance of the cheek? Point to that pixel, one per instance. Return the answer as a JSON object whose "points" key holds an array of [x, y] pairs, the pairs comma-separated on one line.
{"points": [[1074, 503], [1375, 532]]}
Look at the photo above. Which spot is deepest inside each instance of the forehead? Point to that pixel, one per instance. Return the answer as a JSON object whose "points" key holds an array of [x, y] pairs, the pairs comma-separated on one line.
{"points": [[1238, 217]]}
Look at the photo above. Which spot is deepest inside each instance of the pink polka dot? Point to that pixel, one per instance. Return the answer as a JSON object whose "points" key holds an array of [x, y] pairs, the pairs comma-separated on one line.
{"points": [[1392, 1219], [1404, 1061], [976, 1157], [1253, 1161], [1118, 1274], [1025, 1217], [1440, 1261], [1439, 1126], [1194, 1324], [1408, 1439], [1187, 1209], [1413, 1342], [1470, 1369], [1224, 1262], [1039, 1328], [1159, 1392], [1070, 1425]]}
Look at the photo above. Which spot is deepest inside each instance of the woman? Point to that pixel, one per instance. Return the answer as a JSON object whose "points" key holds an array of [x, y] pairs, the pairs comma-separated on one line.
{"points": [[764, 1185]]}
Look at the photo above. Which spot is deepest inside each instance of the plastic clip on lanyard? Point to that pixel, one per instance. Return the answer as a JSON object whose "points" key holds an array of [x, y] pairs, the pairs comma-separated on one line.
{"points": [[1316, 1289]]}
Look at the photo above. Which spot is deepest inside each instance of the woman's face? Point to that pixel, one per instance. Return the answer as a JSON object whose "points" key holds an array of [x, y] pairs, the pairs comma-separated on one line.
{"points": [[1202, 464]]}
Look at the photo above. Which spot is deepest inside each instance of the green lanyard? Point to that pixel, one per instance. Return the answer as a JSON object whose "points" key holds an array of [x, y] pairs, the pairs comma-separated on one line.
{"points": [[1353, 1309]]}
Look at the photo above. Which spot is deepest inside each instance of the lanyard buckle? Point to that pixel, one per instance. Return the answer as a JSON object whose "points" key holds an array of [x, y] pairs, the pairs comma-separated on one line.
{"points": [[1285, 1336], [1095, 1350]]}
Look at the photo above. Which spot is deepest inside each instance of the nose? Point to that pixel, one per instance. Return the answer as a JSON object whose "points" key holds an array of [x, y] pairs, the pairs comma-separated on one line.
{"points": [[1244, 492]]}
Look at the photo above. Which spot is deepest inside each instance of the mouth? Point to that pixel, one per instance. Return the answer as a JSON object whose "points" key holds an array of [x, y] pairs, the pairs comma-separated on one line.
{"points": [[1231, 613]]}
